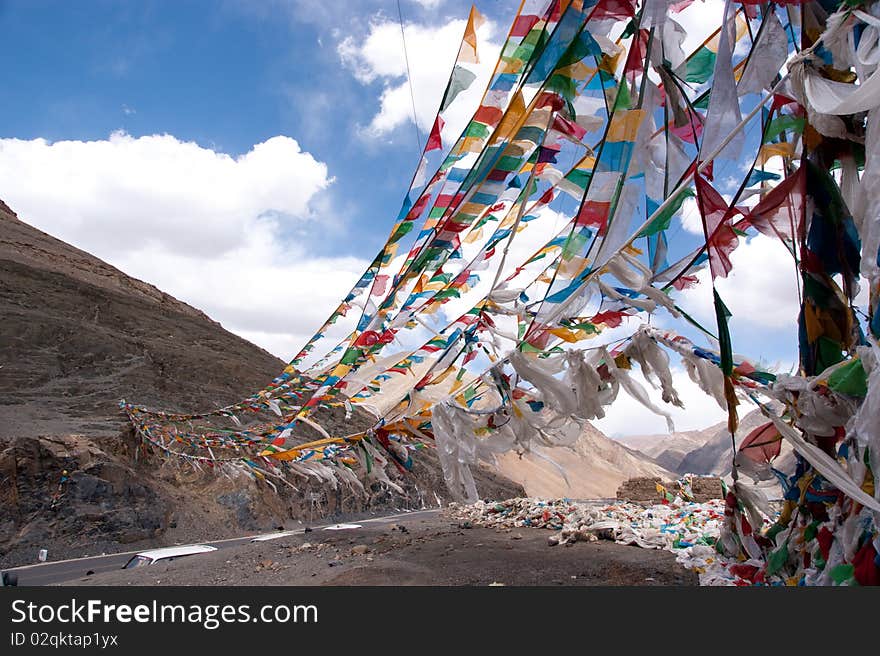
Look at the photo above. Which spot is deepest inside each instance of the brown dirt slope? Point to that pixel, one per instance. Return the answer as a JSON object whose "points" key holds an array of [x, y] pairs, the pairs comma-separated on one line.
{"points": [[595, 467], [77, 335]]}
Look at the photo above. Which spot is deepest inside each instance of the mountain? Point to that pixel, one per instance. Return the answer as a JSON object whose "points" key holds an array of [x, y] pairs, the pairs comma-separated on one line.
{"points": [[669, 449], [595, 468], [714, 456], [706, 451], [76, 336]]}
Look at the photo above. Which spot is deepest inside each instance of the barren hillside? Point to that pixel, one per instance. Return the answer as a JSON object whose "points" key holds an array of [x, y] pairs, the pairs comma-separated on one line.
{"points": [[668, 450], [77, 335], [595, 468]]}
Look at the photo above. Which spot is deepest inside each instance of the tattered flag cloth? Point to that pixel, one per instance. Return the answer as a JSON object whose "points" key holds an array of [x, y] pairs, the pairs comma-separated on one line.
{"points": [[565, 208]]}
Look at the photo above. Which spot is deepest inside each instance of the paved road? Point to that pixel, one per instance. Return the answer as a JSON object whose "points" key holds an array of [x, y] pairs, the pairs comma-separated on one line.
{"points": [[59, 571]]}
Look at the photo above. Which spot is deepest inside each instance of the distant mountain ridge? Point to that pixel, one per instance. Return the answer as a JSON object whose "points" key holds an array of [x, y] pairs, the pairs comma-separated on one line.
{"points": [[668, 450], [706, 451]]}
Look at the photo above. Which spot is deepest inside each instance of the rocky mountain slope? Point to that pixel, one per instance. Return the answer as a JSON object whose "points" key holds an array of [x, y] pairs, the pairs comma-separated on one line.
{"points": [[706, 451], [668, 450], [714, 456], [76, 336]]}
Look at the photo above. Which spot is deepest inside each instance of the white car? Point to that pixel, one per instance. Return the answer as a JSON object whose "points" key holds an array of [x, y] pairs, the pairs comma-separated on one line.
{"points": [[166, 554]]}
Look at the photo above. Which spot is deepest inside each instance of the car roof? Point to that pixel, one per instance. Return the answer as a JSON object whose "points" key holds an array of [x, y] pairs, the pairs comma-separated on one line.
{"points": [[173, 552]]}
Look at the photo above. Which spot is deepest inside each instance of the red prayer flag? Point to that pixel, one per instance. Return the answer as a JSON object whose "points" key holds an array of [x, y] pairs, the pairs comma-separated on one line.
{"points": [[523, 25], [690, 131], [762, 444], [568, 128], [610, 318], [419, 207], [721, 239], [488, 115], [594, 213], [613, 9], [781, 211], [434, 142]]}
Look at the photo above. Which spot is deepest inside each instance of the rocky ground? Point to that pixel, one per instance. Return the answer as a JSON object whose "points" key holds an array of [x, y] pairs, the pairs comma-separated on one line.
{"points": [[416, 551]]}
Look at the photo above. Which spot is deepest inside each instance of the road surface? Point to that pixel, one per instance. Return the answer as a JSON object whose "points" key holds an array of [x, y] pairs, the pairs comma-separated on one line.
{"points": [[59, 571]]}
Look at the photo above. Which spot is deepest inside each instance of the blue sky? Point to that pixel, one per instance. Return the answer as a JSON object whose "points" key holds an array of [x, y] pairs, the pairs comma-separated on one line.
{"points": [[217, 79], [226, 75], [250, 156]]}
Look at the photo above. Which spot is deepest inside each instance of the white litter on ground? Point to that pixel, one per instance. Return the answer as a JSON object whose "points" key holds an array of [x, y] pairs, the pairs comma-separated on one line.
{"points": [[688, 529]]}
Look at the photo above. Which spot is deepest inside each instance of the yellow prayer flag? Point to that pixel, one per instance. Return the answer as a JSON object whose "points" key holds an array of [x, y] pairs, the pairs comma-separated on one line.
{"points": [[565, 334], [784, 149], [569, 269], [473, 209], [578, 71], [472, 145], [511, 119], [625, 125], [468, 53], [473, 236], [510, 65]]}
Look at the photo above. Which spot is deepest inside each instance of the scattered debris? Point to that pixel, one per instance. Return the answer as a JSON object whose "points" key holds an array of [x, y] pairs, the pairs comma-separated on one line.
{"points": [[690, 530]]}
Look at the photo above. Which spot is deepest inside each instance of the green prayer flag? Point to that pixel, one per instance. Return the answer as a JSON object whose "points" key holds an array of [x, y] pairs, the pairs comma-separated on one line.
{"points": [[699, 68], [623, 99], [782, 123], [402, 230], [842, 573], [573, 245], [777, 559], [580, 177], [850, 379], [722, 314], [476, 129], [508, 163], [662, 220], [563, 85]]}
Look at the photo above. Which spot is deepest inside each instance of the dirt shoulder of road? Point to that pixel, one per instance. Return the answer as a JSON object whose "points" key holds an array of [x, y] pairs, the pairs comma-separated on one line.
{"points": [[419, 550]]}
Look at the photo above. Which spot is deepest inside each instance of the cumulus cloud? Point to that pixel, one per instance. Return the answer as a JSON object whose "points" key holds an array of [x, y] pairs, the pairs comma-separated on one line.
{"points": [[232, 236], [691, 220], [760, 290], [432, 51], [699, 20]]}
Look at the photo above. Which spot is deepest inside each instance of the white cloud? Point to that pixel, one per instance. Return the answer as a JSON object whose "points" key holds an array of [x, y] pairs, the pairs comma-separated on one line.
{"points": [[626, 416], [231, 236], [699, 20], [431, 52], [429, 4], [761, 290], [691, 220], [99, 192]]}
